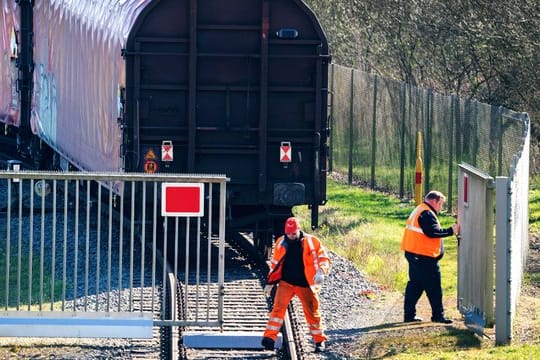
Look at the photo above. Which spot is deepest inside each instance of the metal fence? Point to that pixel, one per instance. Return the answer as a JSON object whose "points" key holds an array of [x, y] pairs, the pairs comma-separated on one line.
{"points": [[375, 122], [79, 260]]}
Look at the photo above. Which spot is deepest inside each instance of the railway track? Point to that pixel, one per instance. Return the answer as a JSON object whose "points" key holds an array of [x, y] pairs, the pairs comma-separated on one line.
{"points": [[245, 309]]}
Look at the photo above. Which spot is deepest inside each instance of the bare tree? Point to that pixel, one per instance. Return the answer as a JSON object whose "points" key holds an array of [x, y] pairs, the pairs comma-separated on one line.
{"points": [[483, 49]]}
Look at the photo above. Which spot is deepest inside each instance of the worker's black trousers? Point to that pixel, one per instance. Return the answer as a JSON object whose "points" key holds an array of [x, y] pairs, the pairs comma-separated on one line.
{"points": [[424, 275]]}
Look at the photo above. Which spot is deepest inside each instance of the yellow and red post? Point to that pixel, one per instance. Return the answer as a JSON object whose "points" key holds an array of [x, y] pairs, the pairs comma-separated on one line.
{"points": [[418, 172]]}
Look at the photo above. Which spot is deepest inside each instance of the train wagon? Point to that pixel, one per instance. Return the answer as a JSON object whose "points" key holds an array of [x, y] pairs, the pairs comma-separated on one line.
{"points": [[235, 87], [16, 72], [9, 29]]}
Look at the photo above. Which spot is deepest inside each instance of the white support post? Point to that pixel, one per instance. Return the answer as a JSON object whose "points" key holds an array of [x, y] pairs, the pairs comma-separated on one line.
{"points": [[503, 314]]}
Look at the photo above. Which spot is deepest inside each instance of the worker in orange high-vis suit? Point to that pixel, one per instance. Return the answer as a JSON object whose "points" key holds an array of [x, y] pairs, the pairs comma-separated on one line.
{"points": [[298, 266], [423, 246]]}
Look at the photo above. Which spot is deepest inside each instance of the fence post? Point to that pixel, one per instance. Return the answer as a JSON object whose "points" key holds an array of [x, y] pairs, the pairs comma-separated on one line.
{"points": [[494, 139], [453, 101], [402, 145], [418, 171], [428, 140], [351, 117], [465, 134], [476, 140], [331, 122], [456, 154], [459, 127], [501, 136], [503, 315], [374, 133]]}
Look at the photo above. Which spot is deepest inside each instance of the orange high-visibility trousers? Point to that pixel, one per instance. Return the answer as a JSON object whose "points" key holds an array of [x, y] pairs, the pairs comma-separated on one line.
{"points": [[310, 305]]}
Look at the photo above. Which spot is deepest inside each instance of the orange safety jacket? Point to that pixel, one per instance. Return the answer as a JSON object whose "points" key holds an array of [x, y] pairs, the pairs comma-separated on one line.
{"points": [[314, 257], [415, 241]]}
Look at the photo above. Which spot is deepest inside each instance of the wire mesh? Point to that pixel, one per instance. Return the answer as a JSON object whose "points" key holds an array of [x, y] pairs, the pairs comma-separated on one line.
{"points": [[375, 124]]}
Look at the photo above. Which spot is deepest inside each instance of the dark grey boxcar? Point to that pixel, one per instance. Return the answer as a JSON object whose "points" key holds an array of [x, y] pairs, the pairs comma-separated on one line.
{"points": [[235, 87]]}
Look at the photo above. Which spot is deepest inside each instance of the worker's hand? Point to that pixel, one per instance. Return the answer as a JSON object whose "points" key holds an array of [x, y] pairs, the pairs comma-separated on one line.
{"points": [[268, 290], [455, 229], [318, 279]]}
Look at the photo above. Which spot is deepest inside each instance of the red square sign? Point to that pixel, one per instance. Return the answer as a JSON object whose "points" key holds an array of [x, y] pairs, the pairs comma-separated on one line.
{"points": [[182, 199]]}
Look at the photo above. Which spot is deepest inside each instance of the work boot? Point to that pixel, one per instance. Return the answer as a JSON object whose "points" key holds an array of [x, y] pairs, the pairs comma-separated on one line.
{"points": [[441, 320], [320, 347], [267, 343], [413, 319]]}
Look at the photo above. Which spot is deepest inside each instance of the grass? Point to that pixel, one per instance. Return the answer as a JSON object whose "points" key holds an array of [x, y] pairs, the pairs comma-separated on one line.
{"points": [[534, 222], [534, 205], [24, 297], [366, 227]]}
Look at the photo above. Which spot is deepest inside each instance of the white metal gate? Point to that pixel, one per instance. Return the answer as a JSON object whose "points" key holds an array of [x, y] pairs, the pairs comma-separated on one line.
{"points": [[475, 248], [79, 260], [476, 192]]}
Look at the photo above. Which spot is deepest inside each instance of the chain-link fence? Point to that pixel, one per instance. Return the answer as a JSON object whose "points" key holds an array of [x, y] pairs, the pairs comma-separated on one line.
{"points": [[375, 124]]}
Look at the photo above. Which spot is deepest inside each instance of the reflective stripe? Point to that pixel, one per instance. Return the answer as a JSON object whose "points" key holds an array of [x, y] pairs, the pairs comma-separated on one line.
{"points": [[272, 327], [313, 253], [316, 332], [413, 213], [276, 319], [415, 229]]}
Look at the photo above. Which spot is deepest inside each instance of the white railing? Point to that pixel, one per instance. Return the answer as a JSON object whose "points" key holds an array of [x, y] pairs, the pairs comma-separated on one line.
{"points": [[78, 260]]}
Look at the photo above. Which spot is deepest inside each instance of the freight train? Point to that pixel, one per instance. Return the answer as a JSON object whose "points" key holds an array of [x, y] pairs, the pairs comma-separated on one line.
{"points": [[235, 87], [9, 96]]}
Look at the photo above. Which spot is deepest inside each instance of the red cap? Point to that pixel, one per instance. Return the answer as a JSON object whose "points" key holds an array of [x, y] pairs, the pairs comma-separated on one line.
{"points": [[291, 225]]}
